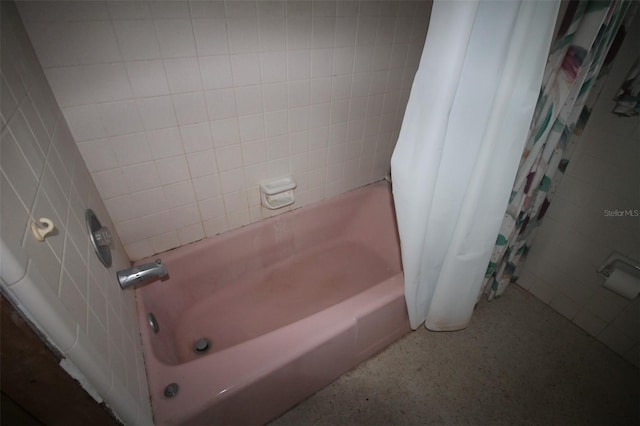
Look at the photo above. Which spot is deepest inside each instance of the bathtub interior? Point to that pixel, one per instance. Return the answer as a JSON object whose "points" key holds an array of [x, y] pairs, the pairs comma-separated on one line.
{"points": [[246, 283]]}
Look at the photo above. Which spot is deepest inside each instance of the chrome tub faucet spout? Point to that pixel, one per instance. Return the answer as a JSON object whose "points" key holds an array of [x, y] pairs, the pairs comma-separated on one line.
{"points": [[141, 274]]}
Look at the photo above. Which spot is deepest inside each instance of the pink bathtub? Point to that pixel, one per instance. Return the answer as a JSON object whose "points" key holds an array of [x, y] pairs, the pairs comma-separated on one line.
{"points": [[287, 305]]}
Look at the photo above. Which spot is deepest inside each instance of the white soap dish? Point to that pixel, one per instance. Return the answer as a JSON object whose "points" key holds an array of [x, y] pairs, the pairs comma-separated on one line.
{"points": [[277, 193]]}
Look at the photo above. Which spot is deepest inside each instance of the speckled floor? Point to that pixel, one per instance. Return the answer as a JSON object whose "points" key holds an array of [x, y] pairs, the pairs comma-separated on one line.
{"points": [[519, 362]]}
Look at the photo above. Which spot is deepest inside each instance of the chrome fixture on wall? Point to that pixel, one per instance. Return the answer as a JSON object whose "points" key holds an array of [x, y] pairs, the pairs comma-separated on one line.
{"points": [[141, 274], [99, 236]]}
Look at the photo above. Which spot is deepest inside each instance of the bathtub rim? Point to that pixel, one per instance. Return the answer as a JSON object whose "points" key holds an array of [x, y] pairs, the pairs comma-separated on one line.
{"points": [[376, 193], [348, 312]]}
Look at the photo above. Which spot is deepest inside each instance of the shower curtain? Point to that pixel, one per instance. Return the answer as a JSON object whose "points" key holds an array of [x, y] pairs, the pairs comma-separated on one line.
{"points": [[572, 74], [464, 129], [628, 97]]}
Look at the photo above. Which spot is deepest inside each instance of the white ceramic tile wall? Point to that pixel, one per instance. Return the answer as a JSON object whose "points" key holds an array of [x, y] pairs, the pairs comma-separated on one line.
{"points": [[578, 235], [43, 175], [181, 108]]}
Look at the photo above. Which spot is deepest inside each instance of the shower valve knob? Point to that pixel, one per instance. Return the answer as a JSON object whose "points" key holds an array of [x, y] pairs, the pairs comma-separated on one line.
{"points": [[102, 237]]}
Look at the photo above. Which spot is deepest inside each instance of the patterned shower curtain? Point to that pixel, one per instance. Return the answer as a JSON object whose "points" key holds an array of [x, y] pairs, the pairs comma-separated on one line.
{"points": [[585, 36], [628, 97]]}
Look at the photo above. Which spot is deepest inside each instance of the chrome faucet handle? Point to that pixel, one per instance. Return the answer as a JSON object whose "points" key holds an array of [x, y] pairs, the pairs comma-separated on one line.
{"points": [[102, 237], [99, 236]]}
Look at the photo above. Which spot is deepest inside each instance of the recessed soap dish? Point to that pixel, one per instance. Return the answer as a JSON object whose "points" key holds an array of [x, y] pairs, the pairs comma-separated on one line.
{"points": [[277, 193]]}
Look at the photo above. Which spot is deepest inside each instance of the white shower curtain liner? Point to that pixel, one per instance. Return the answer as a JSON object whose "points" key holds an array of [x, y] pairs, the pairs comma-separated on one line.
{"points": [[459, 148]]}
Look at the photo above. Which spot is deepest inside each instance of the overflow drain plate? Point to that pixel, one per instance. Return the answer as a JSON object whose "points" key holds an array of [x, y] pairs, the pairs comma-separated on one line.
{"points": [[171, 390], [201, 346]]}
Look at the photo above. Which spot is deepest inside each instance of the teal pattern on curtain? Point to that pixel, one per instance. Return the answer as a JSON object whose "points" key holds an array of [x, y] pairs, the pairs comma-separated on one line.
{"points": [[574, 63], [628, 97]]}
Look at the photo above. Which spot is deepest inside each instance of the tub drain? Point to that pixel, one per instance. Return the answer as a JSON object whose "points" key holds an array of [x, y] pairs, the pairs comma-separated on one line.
{"points": [[171, 390], [201, 346]]}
